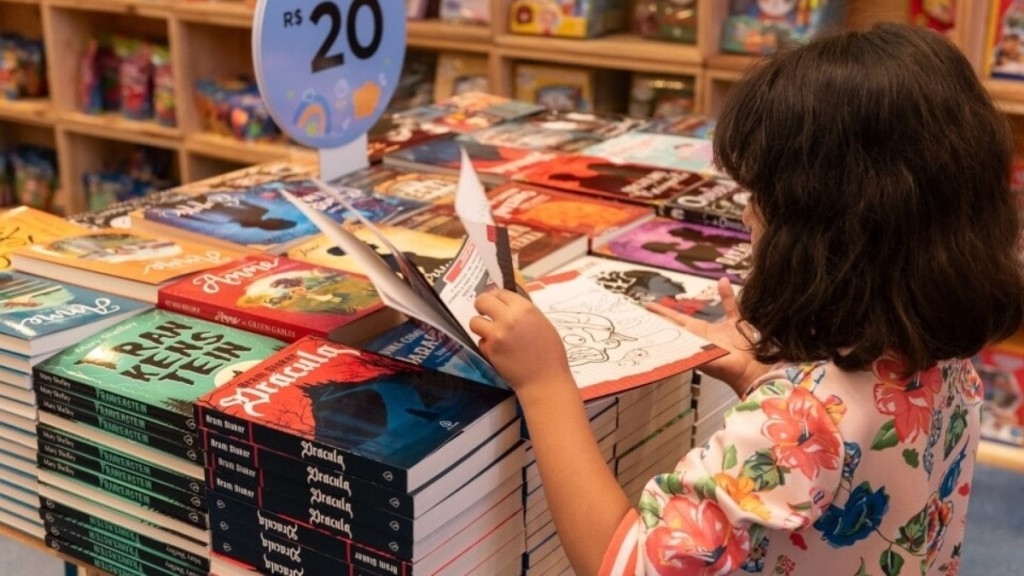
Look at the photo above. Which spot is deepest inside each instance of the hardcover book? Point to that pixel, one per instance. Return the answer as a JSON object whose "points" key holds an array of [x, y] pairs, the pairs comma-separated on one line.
{"points": [[545, 208], [39, 316], [658, 149], [692, 295], [128, 263], [494, 164], [612, 344], [25, 226], [714, 202], [156, 364], [615, 180], [685, 247], [367, 415], [283, 298]]}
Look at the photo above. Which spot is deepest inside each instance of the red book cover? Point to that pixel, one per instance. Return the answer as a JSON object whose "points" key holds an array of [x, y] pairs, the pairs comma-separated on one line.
{"points": [[383, 420], [494, 164], [283, 298], [624, 181], [597, 218]]}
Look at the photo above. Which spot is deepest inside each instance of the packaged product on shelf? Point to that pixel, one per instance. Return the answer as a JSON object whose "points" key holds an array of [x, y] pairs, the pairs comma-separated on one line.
{"points": [[420, 9], [460, 72], [759, 27], [234, 108], [144, 171], [1003, 55], [658, 96], [163, 87], [34, 171], [416, 83], [136, 78], [673, 20], [22, 67], [568, 18], [1001, 367], [470, 11], [939, 15], [566, 88]]}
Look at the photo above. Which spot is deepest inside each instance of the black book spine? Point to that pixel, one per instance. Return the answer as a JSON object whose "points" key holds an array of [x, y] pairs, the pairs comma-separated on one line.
{"points": [[352, 518], [273, 556], [236, 520], [273, 467], [125, 567], [682, 214], [103, 531], [100, 544], [175, 419], [55, 397], [93, 456], [177, 510], [310, 451], [179, 448]]}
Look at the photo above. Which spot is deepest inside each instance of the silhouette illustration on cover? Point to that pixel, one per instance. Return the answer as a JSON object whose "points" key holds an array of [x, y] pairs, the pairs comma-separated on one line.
{"points": [[228, 209], [701, 250], [601, 175], [24, 294], [644, 286], [113, 247], [376, 415], [316, 291], [430, 266]]}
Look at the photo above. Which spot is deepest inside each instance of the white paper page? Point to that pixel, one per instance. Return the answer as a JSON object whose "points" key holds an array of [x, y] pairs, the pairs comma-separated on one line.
{"points": [[474, 211]]}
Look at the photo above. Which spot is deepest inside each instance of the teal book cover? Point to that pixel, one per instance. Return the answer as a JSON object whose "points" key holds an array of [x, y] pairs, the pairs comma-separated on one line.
{"points": [[38, 315], [156, 363]]}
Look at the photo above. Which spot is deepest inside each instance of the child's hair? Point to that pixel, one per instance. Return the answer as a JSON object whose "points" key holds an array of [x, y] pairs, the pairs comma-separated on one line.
{"points": [[881, 171]]}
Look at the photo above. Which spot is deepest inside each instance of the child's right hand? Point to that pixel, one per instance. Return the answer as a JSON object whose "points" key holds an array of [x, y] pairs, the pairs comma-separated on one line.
{"points": [[738, 369]]}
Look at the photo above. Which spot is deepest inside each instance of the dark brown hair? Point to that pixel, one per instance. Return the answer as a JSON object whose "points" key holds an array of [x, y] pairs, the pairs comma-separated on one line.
{"points": [[881, 171]]}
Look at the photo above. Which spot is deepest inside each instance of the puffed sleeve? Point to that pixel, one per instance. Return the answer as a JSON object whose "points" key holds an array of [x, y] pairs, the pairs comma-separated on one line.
{"points": [[776, 464]]}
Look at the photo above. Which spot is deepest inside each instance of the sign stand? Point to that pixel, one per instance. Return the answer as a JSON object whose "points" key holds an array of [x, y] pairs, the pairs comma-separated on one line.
{"points": [[337, 162]]}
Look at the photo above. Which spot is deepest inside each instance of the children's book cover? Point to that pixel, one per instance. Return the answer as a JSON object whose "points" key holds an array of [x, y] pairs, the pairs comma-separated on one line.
{"points": [[418, 186], [24, 226], [282, 298], [659, 150], [686, 247], [368, 415], [692, 125], [1004, 57], [762, 26], [617, 180], [555, 130], [38, 315], [396, 131], [156, 363], [460, 72], [612, 344], [715, 202], [692, 295], [424, 346], [471, 111], [597, 218], [129, 263], [494, 164]]}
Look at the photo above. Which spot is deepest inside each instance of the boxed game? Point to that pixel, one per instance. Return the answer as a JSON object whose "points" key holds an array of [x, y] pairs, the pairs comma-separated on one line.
{"points": [[759, 26], [566, 18]]}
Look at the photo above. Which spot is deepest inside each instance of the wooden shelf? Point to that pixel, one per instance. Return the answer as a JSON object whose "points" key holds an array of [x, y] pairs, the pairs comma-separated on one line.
{"points": [[234, 14], [113, 126], [232, 150], [1001, 455], [38, 111], [37, 544], [145, 8], [622, 51], [437, 35]]}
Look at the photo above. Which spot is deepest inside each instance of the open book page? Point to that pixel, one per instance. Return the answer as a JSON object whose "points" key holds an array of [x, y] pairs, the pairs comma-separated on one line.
{"points": [[612, 343], [489, 240]]}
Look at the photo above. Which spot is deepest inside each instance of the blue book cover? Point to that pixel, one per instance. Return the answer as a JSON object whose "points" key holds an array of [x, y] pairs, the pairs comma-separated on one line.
{"points": [[426, 347], [39, 316], [658, 149], [260, 217]]}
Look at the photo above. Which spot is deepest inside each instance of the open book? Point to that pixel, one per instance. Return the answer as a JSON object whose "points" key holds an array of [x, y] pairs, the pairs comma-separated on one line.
{"points": [[612, 343]]}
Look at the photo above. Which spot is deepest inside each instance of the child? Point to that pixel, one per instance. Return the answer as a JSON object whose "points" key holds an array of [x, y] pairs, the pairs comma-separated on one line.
{"points": [[884, 236]]}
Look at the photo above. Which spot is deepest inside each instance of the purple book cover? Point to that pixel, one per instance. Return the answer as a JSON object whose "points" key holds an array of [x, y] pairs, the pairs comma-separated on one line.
{"points": [[687, 247]]}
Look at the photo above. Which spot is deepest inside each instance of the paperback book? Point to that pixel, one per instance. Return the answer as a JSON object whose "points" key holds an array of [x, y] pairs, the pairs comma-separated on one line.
{"points": [[685, 247], [39, 316], [283, 298], [493, 164], [544, 208], [714, 202], [127, 263], [658, 149], [555, 131], [395, 131], [25, 226], [417, 186], [367, 415], [156, 364], [471, 111]]}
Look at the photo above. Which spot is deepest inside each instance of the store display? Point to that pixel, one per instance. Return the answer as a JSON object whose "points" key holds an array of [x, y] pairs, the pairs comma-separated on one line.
{"points": [[759, 26], [654, 96], [1003, 55], [458, 73], [567, 18], [674, 20], [22, 67]]}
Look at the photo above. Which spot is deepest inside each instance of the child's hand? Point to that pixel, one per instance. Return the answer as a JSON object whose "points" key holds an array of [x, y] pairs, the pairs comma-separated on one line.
{"points": [[518, 340], [738, 369]]}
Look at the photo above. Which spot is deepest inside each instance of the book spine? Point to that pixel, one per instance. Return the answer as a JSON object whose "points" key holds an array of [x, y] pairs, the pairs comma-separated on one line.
{"points": [[309, 451], [103, 531], [141, 480], [236, 520], [51, 509], [57, 399], [175, 448], [117, 550], [123, 489], [174, 419], [224, 453], [352, 518], [79, 451], [106, 560], [208, 310], [273, 556], [681, 214]]}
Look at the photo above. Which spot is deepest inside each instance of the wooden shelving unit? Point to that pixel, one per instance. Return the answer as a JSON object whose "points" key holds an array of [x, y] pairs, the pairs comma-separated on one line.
{"points": [[1001, 455]]}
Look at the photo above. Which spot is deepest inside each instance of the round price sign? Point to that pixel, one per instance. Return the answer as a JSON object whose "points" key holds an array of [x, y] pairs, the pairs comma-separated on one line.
{"points": [[327, 68]]}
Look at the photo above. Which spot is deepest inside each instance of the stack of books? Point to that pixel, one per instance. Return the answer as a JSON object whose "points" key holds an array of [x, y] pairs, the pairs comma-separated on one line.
{"points": [[121, 466], [38, 317], [330, 459]]}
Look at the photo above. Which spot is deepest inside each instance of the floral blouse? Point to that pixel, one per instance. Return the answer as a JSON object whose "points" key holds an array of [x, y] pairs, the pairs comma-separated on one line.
{"points": [[818, 471]]}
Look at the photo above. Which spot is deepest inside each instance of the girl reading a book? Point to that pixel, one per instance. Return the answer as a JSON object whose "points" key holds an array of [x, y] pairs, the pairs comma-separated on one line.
{"points": [[884, 256]]}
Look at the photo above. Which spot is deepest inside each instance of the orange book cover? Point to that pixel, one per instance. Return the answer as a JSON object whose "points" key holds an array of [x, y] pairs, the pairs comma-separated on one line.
{"points": [[24, 226]]}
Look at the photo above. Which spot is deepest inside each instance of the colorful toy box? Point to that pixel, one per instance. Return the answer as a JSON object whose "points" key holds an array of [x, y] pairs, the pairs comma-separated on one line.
{"points": [[566, 18]]}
